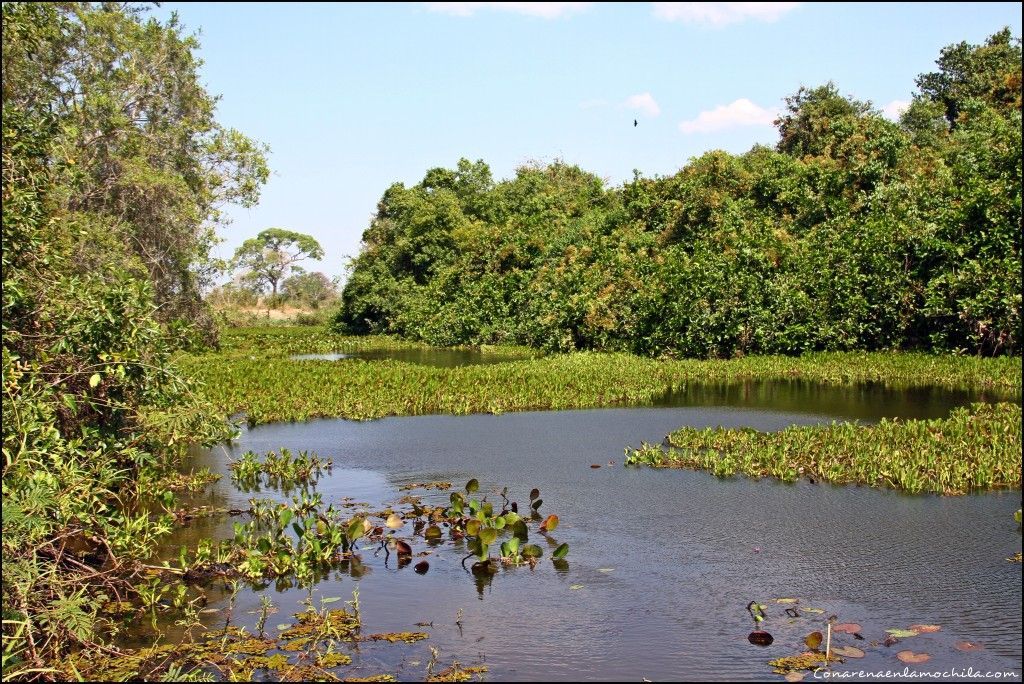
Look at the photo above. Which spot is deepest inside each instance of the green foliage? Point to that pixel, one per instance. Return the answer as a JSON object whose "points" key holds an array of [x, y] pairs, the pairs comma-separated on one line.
{"points": [[113, 167], [975, 448], [267, 258], [854, 233]]}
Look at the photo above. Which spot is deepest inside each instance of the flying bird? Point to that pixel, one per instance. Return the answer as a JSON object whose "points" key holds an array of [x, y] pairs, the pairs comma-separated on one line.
{"points": [[634, 123]]}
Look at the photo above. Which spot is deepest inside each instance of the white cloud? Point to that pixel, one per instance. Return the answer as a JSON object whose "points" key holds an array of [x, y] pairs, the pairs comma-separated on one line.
{"points": [[742, 112], [894, 109], [644, 102], [545, 10], [721, 13]]}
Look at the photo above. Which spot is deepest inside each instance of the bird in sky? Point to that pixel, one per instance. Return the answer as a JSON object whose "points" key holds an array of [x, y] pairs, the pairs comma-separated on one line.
{"points": [[634, 123]]}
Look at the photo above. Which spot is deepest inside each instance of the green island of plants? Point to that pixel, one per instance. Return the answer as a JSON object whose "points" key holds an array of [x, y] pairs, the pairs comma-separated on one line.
{"points": [[975, 448]]}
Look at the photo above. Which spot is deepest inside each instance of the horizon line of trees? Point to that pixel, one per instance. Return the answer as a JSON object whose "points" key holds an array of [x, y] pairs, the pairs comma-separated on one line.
{"points": [[853, 232]]}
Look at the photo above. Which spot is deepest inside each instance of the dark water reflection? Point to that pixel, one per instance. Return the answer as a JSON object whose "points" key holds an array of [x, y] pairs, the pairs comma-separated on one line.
{"points": [[663, 562]]}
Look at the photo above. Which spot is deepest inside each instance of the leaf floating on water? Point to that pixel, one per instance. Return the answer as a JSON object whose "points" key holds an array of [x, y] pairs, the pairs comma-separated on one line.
{"points": [[795, 676], [472, 486], [574, 587], [760, 638], [845, 627], [532, 551], [926, 629], [787, 600], [549, 524], [848, 652], [403, 548], [813, 640], [900, 633], [432, 532], [421, 567], [605, 569], [395, 521], [968, 646], [561, 551], [814, 611], [912, 658]]}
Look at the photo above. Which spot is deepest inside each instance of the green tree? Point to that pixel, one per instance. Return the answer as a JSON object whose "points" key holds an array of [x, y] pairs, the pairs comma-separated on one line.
{"points": [[271, 255], [312, 289]]}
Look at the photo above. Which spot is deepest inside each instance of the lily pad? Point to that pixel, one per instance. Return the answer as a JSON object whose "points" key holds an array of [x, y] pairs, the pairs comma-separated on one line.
{"points": [[759, 637], [846, 628], [421, 567], [926, 629], [968, 646], [912, 658], [848, 652], [900, 633]]}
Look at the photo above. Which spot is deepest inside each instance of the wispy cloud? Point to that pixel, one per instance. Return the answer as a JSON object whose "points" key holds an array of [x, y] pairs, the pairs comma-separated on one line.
{"points": [[545, 10], [894, 109], [721, 13], [644, 103], [742, 112]]}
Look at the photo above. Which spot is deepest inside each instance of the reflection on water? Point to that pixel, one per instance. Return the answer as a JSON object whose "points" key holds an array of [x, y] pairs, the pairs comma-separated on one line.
{"points": [[441, 358], [662, 563]]}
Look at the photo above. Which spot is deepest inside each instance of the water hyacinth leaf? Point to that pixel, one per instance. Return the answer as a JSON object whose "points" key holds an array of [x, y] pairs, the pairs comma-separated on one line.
{"points": [[395, 522], [483, 551], [487, 508], [560, 552], [846, 627], [813, 640], [848, 652], [534, 493], [488, 535], [520, 530], [532, 551], [549, 524], [472, 486], [432, 532], [499, 523], [536, 504], [356, 529], [912, 658], [926, 629], [900, 633], [473, 528]]}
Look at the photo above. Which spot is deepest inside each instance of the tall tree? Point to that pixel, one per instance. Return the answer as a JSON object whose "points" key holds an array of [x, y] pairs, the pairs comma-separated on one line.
{"points": [[272, 254]]}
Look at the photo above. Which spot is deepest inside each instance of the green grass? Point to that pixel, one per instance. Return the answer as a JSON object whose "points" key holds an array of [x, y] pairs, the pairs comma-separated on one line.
{"points": [[975, 448], [252, 374]]}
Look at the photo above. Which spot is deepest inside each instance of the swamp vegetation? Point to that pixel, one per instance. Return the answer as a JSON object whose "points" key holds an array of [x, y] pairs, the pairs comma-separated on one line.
{"points": [[858, 251]]}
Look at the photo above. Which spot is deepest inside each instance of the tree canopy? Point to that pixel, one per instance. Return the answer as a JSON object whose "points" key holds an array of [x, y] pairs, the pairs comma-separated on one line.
{"points": [[270, 256], [854, 232]]}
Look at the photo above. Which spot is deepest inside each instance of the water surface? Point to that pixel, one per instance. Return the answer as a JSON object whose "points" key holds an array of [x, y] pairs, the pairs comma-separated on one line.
{"points": [[662, 562]]}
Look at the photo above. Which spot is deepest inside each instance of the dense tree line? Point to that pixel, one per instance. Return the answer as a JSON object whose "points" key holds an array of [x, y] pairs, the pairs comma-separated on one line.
{"points": [[114, 172], [853, 232]]}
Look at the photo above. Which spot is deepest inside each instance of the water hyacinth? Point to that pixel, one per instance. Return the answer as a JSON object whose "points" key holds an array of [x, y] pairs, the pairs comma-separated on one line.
{"points": [[975, 448], [252, 374]]}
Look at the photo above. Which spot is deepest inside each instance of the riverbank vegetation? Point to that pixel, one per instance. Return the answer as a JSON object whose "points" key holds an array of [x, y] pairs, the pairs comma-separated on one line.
{"points": [[853, 232], [976, 448], [114, 174]]}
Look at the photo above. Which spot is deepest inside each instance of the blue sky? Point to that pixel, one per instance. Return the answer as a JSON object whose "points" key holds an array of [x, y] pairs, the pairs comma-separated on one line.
{"points": [[354, 97]]}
